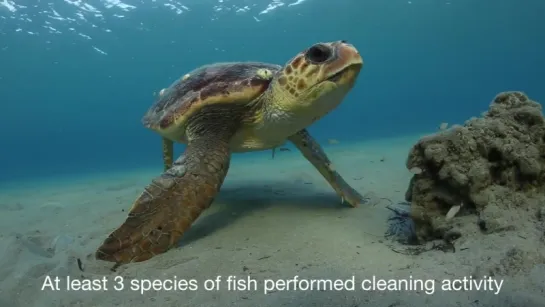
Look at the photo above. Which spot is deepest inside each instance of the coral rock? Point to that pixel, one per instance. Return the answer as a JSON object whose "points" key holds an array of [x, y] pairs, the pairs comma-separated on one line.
{"points": [[491, 163]]}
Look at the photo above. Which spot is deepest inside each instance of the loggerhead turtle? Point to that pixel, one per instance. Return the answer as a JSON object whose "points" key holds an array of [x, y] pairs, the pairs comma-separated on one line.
{"points": [[226, 108]]}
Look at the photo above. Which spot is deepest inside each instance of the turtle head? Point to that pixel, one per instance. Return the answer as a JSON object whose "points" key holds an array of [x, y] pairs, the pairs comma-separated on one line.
{"points": [[316, 80]]}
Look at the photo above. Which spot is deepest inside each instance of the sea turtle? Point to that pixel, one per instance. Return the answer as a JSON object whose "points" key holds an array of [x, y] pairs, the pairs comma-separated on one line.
{"points": [[226, 108]]}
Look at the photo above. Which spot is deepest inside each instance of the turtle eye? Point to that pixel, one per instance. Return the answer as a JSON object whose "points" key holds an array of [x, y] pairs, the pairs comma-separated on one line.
{"points": [[318, 53]]}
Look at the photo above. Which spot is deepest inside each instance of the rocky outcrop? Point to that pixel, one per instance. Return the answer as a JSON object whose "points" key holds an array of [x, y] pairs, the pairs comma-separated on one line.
{"points": [[491, 169]]}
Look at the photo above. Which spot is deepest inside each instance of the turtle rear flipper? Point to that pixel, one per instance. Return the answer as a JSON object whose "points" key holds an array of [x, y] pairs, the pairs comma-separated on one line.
{"points": [[171, 203]]}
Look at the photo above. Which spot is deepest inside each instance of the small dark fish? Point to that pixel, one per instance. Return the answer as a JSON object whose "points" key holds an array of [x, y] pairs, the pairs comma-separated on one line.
{"points": [[80, 265], [115, 267], [280, 149]]}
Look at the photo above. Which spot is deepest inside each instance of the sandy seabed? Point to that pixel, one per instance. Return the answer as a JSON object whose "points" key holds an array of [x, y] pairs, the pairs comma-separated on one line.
{"points": [[276, 236]]}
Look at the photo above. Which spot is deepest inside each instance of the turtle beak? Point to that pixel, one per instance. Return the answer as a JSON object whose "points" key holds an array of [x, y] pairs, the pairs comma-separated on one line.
{"points": [[349, 54], [348, 63]]}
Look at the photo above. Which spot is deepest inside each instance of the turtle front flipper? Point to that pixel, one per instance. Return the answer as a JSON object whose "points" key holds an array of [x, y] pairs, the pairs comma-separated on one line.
{"points": [[314, 153], [171, 203], [168, 153]]}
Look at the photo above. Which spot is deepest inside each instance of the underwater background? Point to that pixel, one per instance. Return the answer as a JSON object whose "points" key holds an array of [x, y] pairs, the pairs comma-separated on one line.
{"points": [[76, 77]]}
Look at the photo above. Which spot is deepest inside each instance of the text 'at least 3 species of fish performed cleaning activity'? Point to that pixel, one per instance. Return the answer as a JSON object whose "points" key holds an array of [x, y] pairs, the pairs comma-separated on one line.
{"points": [[247, 283]]}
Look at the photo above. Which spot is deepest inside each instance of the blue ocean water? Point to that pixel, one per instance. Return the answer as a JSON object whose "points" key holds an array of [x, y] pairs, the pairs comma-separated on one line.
{"points": [[77, 76]]}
